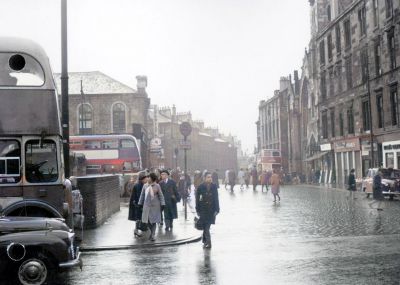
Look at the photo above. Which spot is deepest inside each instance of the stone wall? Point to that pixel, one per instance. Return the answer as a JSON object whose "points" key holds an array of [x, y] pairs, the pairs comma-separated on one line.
{"points": [[101, 198]]}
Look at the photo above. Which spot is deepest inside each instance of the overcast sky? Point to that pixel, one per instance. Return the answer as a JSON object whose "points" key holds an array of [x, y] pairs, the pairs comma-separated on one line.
{"points": [[217, 58]]}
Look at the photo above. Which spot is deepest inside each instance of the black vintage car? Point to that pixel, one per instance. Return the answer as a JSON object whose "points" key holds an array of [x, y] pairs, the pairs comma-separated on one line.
{"points": [[33, 250]]}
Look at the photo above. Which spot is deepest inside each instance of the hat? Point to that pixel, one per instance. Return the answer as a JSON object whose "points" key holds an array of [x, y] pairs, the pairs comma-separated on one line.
{"points": [[142, 175], [164, 171]]}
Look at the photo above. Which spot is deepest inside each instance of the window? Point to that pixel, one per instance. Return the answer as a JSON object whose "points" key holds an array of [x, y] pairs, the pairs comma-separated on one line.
{"points": [[41, 161], [322, 52], [330, 47], [392, 48], [362, 21], [339, 76], [349, 73], [332, 111], [119, 122], [376, 12], [127, 143], [393, 105], [324, 125], [323, 85], [92, 145], [350, 120], [331, 82], [364, 65], [341, 124], [10, 161], [377, 55], [379, 109], [85, 119], [112, 144], [366, 116], [389, 8], [338, 40], [329, 12], [347, 33]]}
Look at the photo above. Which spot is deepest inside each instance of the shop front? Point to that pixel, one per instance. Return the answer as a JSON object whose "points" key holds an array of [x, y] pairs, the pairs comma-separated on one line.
{"points": [[347, 157], [391, 154]]}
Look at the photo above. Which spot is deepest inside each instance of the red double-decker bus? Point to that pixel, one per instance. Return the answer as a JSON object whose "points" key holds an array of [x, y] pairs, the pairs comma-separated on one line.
{"points": [[108, 153], [270, 159]]}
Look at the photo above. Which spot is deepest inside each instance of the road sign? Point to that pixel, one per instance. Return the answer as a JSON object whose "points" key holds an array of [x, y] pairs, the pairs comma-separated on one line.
{"points": [[186, 129], [184, 144]]}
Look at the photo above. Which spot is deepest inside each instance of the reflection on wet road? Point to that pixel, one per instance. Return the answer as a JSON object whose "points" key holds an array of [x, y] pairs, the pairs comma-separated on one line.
{"points": [[313, 236]]}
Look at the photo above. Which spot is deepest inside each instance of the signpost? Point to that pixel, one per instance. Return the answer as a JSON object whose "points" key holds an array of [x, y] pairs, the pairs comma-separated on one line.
{"points": [[185, 129]]}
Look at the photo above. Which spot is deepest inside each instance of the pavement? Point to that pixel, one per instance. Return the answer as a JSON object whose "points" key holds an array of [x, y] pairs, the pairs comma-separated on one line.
{"points": [[313, 236], [117, 234]]}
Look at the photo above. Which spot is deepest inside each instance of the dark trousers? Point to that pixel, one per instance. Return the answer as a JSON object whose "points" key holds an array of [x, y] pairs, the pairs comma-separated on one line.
{"points": [[169, 223], [206, 234]]}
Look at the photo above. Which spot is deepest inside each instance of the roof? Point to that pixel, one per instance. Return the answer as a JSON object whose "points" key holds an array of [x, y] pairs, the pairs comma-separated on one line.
{"points": [[93, 82]]}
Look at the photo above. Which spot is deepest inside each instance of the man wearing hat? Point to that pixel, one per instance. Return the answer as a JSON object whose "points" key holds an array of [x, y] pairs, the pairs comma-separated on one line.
{"points": [[135, 211], [172, 197]]}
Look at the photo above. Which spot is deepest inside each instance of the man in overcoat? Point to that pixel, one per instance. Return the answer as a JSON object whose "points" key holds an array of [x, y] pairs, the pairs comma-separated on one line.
{"points": [[207, 207], [135, 211], [172, 197]]}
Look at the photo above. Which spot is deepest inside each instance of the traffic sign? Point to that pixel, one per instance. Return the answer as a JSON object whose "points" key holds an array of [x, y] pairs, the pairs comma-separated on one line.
{"points": [[186, 129], [184, 144]]}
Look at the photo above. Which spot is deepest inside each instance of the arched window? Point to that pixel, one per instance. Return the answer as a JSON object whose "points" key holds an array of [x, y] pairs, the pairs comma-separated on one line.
{"points": [[85, 119], [118, 118]]}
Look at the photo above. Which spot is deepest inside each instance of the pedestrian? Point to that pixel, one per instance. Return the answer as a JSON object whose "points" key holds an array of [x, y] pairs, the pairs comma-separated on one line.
{"points": [[226, 178], [241, 178], [264, 180], [207, 207], [197, 180], [377, 194], [215, 178], [152, 200], [352, 184], [247, 178], [254, 178], [172, 197], [275, 185], [135, 211], [232, 179]]}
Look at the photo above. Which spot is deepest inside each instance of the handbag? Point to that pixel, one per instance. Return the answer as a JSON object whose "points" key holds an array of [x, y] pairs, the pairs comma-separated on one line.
{"points": [[198, 224]]}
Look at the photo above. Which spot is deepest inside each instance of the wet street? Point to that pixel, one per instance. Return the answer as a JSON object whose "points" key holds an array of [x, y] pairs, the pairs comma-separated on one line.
{"points": [[314, 236]]}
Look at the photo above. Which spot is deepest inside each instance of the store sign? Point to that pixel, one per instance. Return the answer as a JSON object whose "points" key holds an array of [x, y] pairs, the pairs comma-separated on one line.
{"points": [[347, 145], [155, 145], [326, 147], [391, 146]]}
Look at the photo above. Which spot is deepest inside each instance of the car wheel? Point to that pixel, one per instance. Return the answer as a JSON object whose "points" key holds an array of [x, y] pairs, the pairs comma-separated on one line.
{"points": [[33, 271]]}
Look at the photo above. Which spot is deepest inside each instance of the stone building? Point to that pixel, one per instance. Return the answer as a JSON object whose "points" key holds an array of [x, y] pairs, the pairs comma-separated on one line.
{"points": [[99, 104], [357, 43], [209, 148]]}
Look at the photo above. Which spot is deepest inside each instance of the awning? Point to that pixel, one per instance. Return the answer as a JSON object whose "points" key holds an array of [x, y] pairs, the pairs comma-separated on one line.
{"points": [[316, 156]]}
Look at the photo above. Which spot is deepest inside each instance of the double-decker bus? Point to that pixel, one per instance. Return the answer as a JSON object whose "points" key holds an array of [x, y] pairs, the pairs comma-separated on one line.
{"points": [[31, 158], [108, 153], [270, 159]]}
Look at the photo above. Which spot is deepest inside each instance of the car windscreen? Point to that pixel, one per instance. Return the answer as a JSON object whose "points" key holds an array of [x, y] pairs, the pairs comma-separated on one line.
{"points": [[41, 161], [10, 161]]}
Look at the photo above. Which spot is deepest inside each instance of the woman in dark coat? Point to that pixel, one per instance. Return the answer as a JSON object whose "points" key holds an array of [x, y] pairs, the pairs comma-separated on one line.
{"points": [[207, 207], [135, 211], [377, 191]]}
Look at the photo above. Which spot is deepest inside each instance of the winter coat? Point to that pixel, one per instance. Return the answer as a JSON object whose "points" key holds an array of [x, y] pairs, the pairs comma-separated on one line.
{"points": [[254, 176], [232, 177], [171, 197], [215, 179], [135, 211], [377, 188], [352, 182], [207, 202], [152, 200], [275, 183]]}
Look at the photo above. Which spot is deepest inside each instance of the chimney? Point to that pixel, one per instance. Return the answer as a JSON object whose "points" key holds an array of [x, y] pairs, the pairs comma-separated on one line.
{"points": [[141, 84], [296, 82]]}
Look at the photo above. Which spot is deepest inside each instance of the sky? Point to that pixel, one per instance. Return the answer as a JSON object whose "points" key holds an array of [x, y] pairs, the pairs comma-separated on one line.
{"points": [[215, 58]]}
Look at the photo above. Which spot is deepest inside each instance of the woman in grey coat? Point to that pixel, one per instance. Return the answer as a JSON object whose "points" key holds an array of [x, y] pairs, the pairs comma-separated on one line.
{"points": [[153, 202]]}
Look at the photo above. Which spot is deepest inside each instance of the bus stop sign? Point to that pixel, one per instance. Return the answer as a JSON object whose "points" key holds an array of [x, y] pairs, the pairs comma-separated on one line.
{"points": [[185, 129]]}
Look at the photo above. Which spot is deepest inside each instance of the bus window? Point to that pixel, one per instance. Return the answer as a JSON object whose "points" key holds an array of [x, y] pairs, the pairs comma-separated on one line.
{"points": [[92, 145], [125, 143], [41, 161], [10, 157], [110, 144]]}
